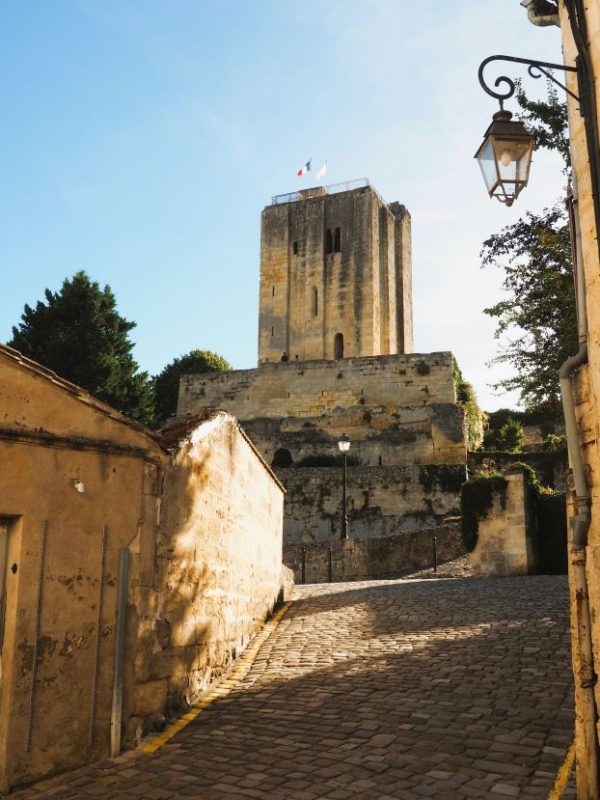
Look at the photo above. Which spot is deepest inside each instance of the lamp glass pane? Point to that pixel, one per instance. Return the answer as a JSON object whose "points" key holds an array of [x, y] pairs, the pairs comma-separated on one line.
{"points": [[487, 162]]}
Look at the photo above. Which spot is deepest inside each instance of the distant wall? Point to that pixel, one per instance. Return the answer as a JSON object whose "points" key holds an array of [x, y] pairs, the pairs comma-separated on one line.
{"points": [[354, 559], [381, 501], [311, 388], [505, 541], [396, 409]]}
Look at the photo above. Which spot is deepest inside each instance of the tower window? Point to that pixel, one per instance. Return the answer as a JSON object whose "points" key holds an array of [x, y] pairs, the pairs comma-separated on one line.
{"points": [[273, 292], [282, 458], [338, 345], [272, 331], [337, 241], [315, 301], [328, 241], [295, 248]]}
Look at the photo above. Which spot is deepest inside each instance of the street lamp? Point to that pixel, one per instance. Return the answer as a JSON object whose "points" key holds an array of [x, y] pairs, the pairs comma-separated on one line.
{"points": [[505, 153], [505, 157], [344, 445]]}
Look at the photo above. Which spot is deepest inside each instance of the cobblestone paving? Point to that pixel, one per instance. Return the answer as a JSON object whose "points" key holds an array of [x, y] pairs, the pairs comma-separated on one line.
{"points": [[386, 690]]}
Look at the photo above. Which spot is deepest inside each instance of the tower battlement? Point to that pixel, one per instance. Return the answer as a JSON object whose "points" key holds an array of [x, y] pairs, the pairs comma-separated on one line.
{"points": [[335, 275]]}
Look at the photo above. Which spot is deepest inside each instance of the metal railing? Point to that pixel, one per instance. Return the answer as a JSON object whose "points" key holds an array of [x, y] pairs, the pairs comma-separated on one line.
{"points": [[319, 191]]}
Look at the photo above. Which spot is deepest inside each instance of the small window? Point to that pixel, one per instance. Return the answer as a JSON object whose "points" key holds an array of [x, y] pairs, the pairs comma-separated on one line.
{"points": [[315, 301], [272, 331], [273, 292], [328, 241], [295, 248], [338, 345], [337, 241]]}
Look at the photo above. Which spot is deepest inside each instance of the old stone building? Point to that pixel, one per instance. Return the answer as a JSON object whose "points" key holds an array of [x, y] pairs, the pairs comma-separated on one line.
{"points": [[335, 341], [579, 21], [133, 567]]}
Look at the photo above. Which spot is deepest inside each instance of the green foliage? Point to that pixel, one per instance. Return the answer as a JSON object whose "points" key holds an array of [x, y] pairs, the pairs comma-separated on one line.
{"points": [[476, 498], [166, 383], [547, 120], [554, 443], [544, 415], [449, 478], [79, 334], [510, 437], [474, 417], [537, 318]]}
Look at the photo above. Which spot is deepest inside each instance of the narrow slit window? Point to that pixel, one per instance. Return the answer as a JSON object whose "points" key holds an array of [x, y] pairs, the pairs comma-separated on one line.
{"points": [[273, 292], [328, 241], [337, 241], [315, 301], [295, 248], [338, 345], [272, 331]]}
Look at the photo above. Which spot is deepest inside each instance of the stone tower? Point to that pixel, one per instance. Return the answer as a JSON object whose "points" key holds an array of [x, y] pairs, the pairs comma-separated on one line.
{"points": [[335, 275]]}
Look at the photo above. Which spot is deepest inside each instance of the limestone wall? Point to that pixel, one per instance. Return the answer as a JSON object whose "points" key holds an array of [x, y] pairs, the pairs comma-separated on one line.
{"points": [[587, 383], [505, 537], [356, 559], [312, 388], [56, 664], [396, 409], [218, 566], [381, 501], [203, 529]]}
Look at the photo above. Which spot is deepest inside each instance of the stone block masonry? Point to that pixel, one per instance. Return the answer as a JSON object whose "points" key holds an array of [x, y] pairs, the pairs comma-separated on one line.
{"points": [[396, 409], [335, 276], [381, 501], [355, 559]]}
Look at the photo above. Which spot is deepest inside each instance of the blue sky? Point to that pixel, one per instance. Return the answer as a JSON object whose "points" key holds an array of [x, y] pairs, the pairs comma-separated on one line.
{"points": [[141, 139]]}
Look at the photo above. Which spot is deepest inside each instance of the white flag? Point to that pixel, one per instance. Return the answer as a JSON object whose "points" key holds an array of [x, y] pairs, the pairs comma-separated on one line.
{"points": [[322, 171]]}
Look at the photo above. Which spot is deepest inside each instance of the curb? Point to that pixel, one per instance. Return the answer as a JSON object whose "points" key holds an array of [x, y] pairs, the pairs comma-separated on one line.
{"points": [[242, 667]]}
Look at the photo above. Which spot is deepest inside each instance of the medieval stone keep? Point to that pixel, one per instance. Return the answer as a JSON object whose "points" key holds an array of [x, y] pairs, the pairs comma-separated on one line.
{"points": [[335, 341]]}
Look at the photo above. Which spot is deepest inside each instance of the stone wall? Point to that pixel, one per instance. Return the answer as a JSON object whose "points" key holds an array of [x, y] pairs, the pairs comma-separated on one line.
{"points": [[396, 409], [334, 265], [200, 515], [505, 541], [387, 557], [587, 385], [381, 501], [81, 484], [313, 388], [219, 569]]}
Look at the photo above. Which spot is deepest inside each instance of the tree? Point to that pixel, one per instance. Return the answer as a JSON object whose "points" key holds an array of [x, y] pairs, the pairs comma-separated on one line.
{"points": [[538, 312], [539, 308], [79, 334], [166, 384], [511, 436]]}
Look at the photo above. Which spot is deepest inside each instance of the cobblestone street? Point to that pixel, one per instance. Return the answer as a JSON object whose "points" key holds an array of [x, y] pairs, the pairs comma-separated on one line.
{"points": [[455, 688]]}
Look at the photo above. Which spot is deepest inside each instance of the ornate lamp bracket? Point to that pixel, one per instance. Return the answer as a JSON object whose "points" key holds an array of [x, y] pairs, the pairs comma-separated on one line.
{"points": [[535, 68]]}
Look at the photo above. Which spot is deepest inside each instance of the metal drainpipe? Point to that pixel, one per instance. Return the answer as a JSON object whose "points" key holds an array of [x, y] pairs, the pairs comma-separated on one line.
{"points": [[585, 675]]}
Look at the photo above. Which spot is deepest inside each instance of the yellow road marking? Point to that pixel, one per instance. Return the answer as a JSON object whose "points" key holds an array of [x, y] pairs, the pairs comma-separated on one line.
{"points": [[232, 679], [562, 776]]}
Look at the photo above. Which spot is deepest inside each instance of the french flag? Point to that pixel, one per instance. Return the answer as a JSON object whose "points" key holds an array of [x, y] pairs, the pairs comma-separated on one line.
{"points": [[304, 169]]}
